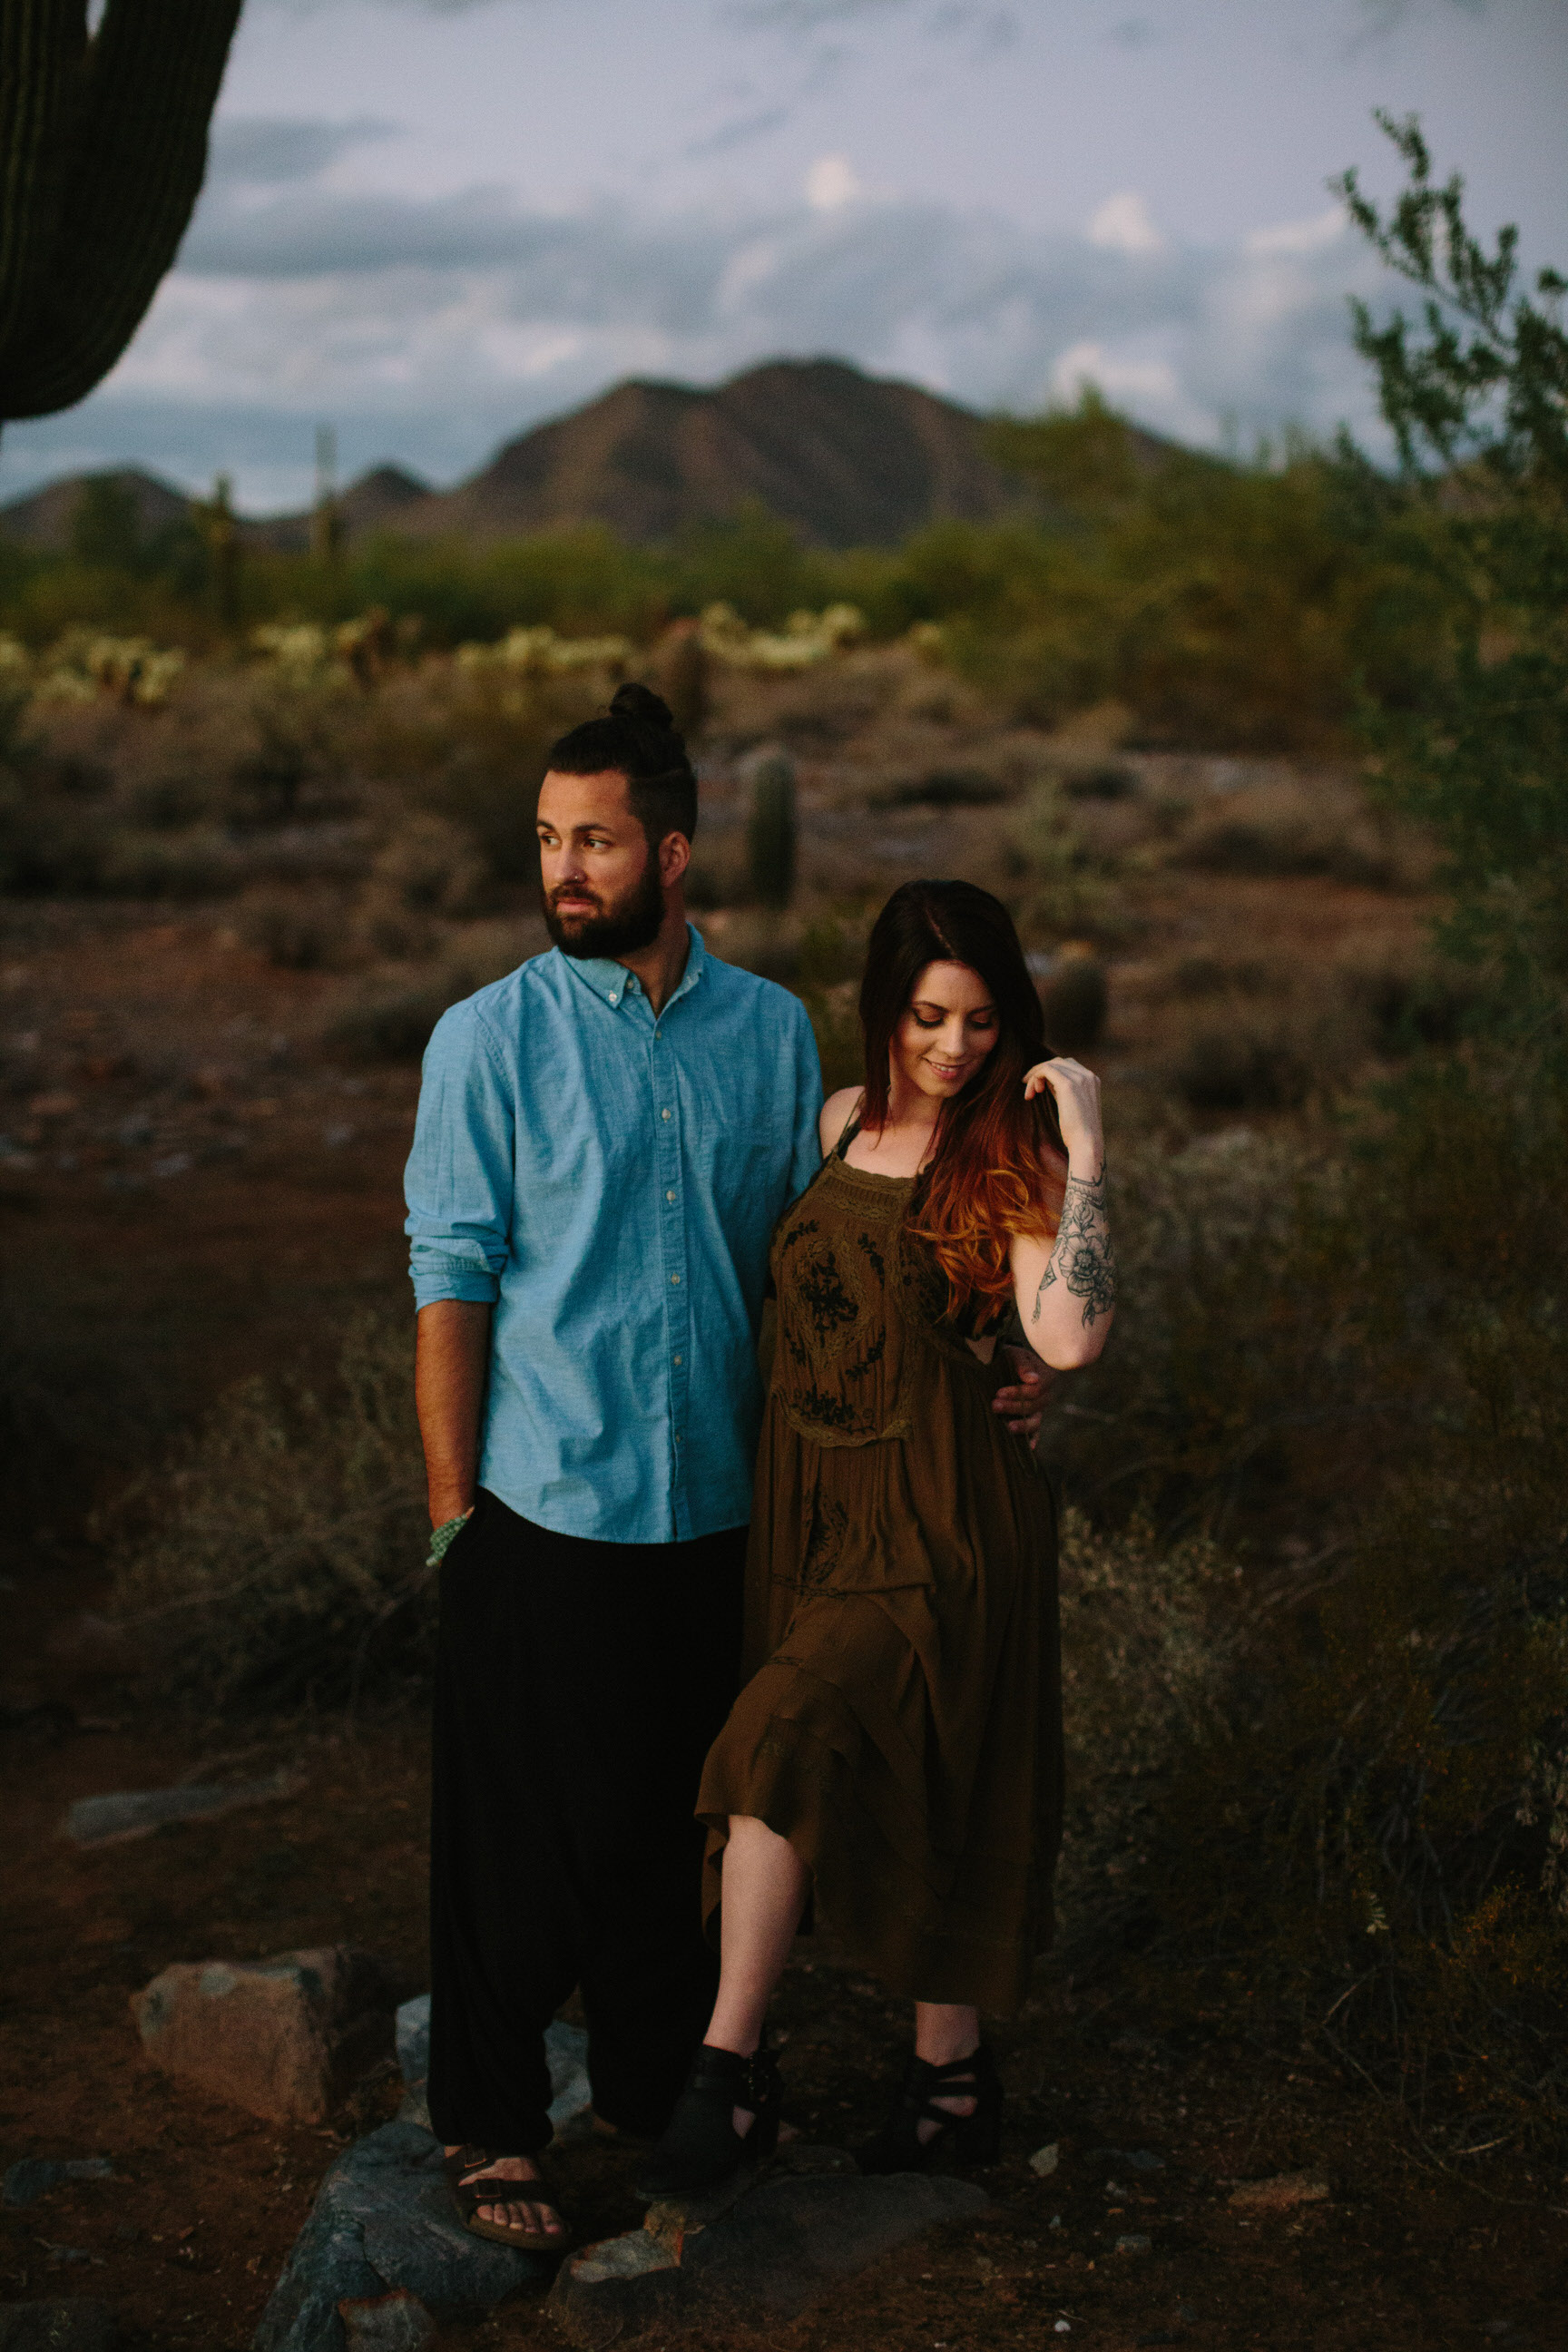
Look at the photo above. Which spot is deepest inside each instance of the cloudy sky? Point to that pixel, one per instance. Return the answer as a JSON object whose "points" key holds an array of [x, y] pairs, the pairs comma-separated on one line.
{"points": [[431, 222]]}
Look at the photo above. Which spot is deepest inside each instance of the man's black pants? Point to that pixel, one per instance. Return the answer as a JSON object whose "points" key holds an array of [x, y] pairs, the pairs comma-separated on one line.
{"points": [[579, 1686]]}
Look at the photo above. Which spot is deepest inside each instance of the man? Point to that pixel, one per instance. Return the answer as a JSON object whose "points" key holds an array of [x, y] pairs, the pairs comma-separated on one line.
{"points": [[605, 1139]]}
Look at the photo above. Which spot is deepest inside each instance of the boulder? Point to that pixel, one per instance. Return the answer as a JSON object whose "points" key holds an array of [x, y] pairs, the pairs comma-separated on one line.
{"points": [[382, 2222], [397, 2322], [33, 2176], [78, 2326], [285, 2037], [137, 1813], [565, 2049]]}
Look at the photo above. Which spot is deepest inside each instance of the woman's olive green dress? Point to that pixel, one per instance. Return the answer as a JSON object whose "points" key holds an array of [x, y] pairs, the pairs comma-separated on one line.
{"points": [[902, 1722]]}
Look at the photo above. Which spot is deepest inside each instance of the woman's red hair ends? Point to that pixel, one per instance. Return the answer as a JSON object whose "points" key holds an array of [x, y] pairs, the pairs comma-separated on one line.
{"points": [[998, 1167]]}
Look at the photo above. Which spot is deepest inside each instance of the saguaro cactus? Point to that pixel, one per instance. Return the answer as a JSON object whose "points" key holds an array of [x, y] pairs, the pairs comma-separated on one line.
{"points": [[770, 827], [103, 147]]}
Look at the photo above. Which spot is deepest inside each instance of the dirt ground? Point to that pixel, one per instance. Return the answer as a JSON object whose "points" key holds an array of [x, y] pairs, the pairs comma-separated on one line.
{"points": [[186, 1154]]}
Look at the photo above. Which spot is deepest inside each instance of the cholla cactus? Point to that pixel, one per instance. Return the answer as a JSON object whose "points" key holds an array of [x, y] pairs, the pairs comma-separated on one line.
{"points": [[539, 653], [133, 670], [806, 639], [103, 147]]}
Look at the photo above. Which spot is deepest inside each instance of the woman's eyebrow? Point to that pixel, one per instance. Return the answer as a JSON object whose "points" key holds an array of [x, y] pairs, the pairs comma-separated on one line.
{"points": [[928, 1004]]}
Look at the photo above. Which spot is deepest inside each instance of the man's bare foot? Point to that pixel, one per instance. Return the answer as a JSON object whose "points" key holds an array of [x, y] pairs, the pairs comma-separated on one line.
{"points": [[514, 2213]]}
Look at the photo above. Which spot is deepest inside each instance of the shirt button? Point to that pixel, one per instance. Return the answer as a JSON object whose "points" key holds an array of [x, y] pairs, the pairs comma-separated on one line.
{"points": [[664, 1114], [615, 1000], [676, 1279], [679, 1359], [669, 1196]]}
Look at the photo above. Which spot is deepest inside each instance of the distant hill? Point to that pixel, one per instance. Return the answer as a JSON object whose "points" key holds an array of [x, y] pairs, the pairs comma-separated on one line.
{"points": [[377, 501], [43, 519], [850, 459]]}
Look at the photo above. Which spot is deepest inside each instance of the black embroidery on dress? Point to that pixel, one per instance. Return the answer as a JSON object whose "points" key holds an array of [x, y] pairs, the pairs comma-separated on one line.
{"points": [[824, 1297], [824, 1544]]}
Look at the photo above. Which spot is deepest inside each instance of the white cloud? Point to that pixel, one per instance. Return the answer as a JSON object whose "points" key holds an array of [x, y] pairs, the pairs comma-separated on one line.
{"points": [[1121, 225], [1122, 380], [831, 182], [1300, 235], [431, 329]]}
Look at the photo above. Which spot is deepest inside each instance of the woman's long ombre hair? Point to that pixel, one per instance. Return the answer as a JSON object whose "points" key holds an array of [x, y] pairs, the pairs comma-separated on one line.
{"points": [[998, 1167]]}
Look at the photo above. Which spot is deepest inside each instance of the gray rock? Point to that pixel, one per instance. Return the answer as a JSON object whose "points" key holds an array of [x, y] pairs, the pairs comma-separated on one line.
{"points": [[749, 2254], [414, 2039], [781, 2249], [1134, 2241], [286, 2038], [78, 2326], [384, 2220], [565, 2049], [35, 2176], [1137, 2159], [136, 1813], [616, 2290], [397, 2322]]}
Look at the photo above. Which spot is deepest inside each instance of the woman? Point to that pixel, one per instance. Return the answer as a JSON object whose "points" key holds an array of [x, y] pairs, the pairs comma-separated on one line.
{"points": [[896, 1755]]}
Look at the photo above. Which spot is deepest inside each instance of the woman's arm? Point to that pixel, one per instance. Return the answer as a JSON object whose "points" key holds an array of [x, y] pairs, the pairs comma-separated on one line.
{"points": [[1066, 1289]]}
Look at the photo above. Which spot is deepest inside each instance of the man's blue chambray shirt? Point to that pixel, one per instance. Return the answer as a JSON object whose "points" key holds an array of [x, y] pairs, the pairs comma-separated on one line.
{"points": [[610, 1183]]}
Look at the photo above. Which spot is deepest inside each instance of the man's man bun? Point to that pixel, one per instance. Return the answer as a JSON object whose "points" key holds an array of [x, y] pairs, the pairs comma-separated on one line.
{"points": [[640, 704], [638, 735]]}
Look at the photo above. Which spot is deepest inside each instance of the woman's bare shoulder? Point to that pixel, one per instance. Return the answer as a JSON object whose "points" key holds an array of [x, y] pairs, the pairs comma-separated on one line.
{"points": [[837, 1113]]}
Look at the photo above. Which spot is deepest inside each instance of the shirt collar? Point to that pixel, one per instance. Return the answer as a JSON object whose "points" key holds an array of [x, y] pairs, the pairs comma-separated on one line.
{"points": [[612, 980]]}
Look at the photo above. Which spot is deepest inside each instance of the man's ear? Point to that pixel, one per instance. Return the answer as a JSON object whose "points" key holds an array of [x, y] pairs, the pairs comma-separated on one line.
{"points": [[674, 857]]}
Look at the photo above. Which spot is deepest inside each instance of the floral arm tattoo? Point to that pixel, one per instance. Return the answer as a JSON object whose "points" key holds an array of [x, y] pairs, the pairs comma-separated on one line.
{"points": [[1083, 1257]]}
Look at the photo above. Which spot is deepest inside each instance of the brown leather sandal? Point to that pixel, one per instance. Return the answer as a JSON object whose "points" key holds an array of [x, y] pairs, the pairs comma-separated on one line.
{"points": [[469, 2195]]}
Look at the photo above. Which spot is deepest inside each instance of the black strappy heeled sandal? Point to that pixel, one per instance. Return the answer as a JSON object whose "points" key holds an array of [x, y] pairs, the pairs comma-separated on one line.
{"points": [[974, 2139], [701, 2146]]}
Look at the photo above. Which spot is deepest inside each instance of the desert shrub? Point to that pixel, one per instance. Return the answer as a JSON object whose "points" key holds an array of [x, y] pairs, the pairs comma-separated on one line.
{"points": [[1286, 846], [1057, 890], [298, 931], [945, 788], [1365, 1831], [1406, 1006], [1076, 998], [1107, 780], [393, 1025], [282, 1560], [1239, 1065], [1147, 1663], [426, 868]]}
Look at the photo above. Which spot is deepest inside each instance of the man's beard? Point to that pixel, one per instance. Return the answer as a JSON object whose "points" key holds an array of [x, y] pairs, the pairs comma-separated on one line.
{"points": [[619, 928]]}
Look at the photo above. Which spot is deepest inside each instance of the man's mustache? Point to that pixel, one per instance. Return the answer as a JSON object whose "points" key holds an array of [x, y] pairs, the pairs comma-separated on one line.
{"points": [[574, 890]]}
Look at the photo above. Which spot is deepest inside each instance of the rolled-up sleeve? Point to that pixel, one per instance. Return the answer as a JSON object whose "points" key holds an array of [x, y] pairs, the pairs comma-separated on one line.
{"points": [[806, 1157], [461, 1174]]}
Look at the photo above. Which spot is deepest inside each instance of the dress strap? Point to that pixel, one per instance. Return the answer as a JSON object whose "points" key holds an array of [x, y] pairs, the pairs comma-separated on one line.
{"points": [[851, 1129]]}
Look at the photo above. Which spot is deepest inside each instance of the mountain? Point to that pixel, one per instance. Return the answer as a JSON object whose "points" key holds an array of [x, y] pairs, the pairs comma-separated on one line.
{"points": [[377, 501], [850, 459], [43, 520]]}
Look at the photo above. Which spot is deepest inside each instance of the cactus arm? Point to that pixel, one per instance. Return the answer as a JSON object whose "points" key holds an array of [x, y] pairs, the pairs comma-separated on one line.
{"points": [[107, 215], [42, 45]]}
